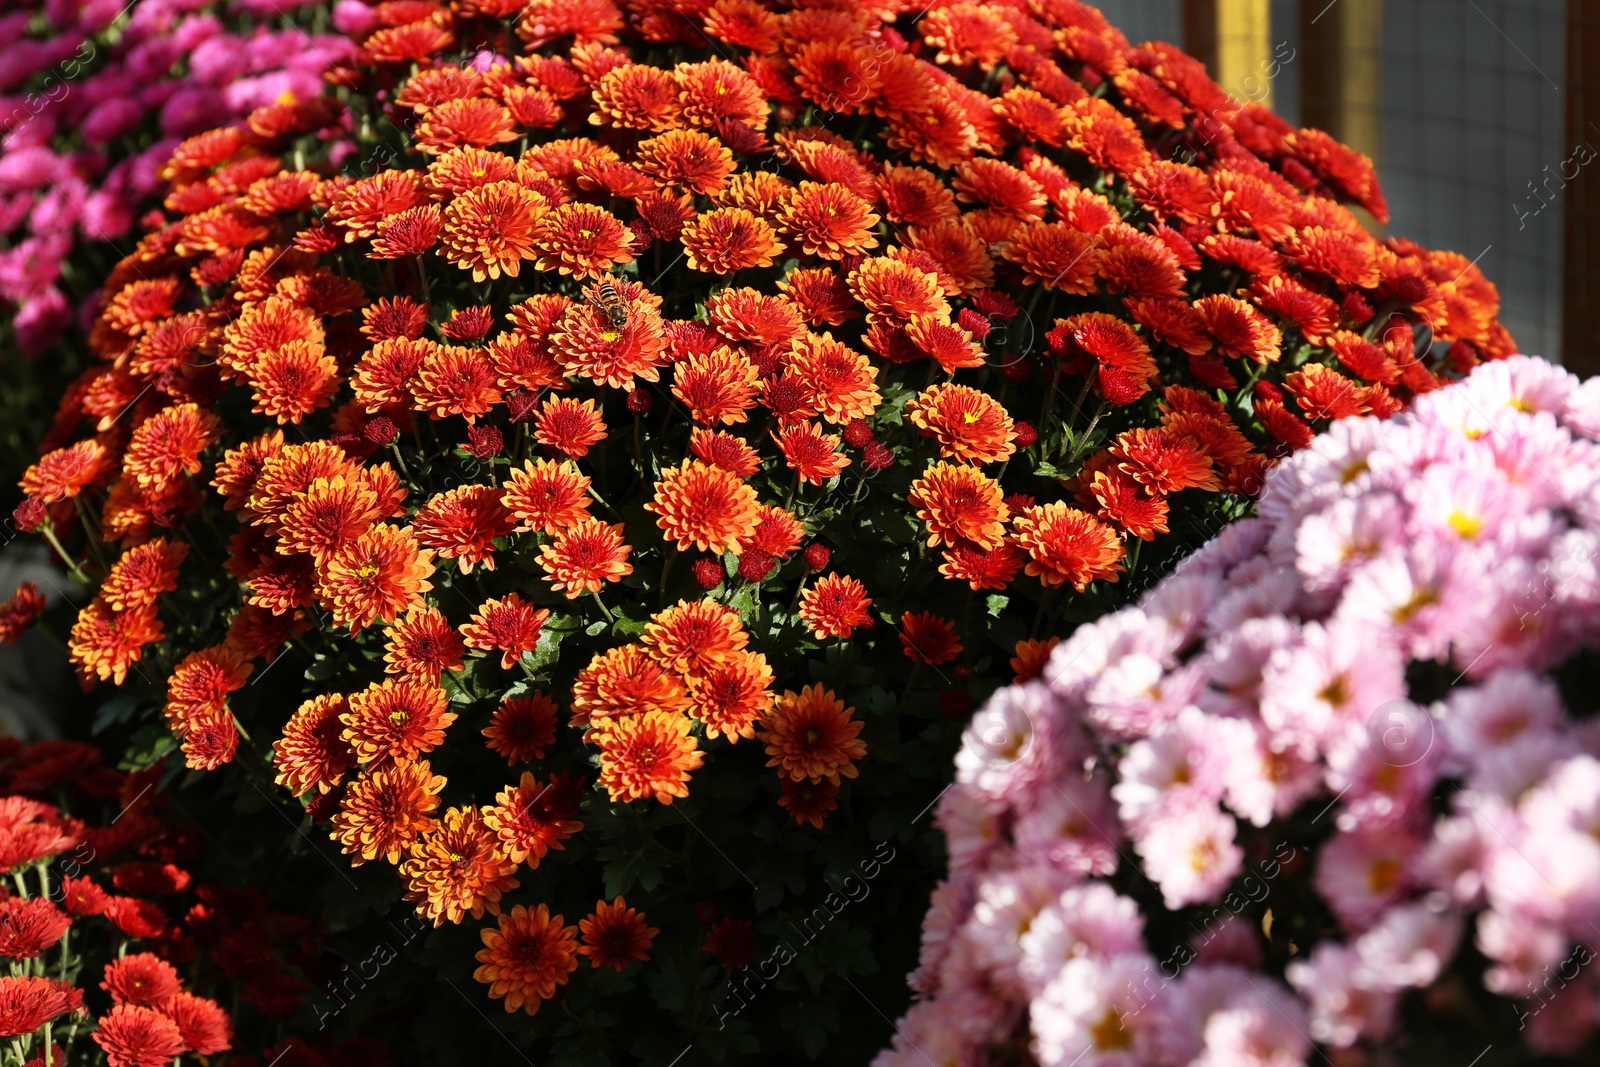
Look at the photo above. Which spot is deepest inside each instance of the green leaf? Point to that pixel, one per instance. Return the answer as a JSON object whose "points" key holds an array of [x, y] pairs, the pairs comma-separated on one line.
{"points": [[997, 604]]}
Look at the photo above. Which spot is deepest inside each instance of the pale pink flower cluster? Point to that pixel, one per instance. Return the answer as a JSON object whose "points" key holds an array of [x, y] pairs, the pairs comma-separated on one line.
{"points": [[1351, 702], [93, 99]]}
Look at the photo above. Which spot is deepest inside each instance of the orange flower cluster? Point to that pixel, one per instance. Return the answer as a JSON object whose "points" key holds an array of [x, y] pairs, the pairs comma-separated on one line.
{"points": [[634, 310], [639, 703]]}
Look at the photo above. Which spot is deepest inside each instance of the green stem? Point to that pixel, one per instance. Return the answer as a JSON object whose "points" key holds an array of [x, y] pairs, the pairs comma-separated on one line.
{"points": [[72, 564]]}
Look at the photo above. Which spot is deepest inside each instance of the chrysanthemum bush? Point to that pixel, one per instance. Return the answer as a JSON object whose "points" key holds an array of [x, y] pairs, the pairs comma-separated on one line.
{"points": [[118, 950], [606, 490], [1321, 792], [93, 99]]}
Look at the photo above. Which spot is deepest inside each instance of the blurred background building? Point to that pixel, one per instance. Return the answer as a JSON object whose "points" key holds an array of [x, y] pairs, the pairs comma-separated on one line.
{"points": [[1483, 117]]}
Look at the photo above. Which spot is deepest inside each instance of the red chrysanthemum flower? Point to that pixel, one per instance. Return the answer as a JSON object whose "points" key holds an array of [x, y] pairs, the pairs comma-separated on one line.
{"points": [[203, 1025], [569, 426], [836, 75], [27, 1003], [1058, 256], [810, 453], [835, 606], [462, 524], [646, 755], [896, 290], [138, 1037], [470, 123], [331, 513], [1067, 545], [521, 728], [312, 751], [959, 503], [812, 735], [689, 160], [527, 957], [616, 935], [29, 926], [692, 636], [423, 645], [547, 495], [928, 638], [729, 239], [730, 695], [820, 295], [585, 556], [508, 625], [725, 451], [1107, 345], [66, 472], [142, 979], [586, 343], [377, 576], [636, 96], [458, 869], [703, 507]]}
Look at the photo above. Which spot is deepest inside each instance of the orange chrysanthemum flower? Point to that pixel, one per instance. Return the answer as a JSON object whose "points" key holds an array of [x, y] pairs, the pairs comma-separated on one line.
{"points": [[693, 636], [897, 290], [704, 507], [1067, 545], [1058, 256], [928, 638], [385, 375], [531, 819], [360, 206], [748, 315], [471, 123], [820, 295], [717, 387], [1108, 346], [968, 423], [455, 380], [66, 472], [1001, 188], [836, 75], [490, 230], [744, 23], [143, 574], [835, 606], [423, 645], [462, 523], [586, 343], [105, 643], [725, 451], [331, 513], [991, 568], [717, 91], [293, 381], [961, 257], [689, 160], [399, 718], [1164, 461], [585, 556], [807, 802], [1031, 657], [458, 869], [384, 810], [521, 728], [376, 576], [842, 382], [729, 696], [312, 751], [636, 96], [168, 444], [200, 685], [616, 935], [968, 33], [583, 240], [814, 456], [569, 426], [625, 681], [811, 736], [1239, 329], [777, 534], [959, 503], [508, 625], [547, 495], [646, 755], [829, 221], [729, 239], [526, 957]]}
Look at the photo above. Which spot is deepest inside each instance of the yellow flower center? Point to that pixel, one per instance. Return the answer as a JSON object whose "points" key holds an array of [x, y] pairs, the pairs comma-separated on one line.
{"points": [[1468, 526]]}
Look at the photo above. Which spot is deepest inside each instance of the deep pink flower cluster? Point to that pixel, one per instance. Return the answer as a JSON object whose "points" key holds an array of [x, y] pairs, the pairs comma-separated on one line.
{"points": [[86, 86], [1347, 714]]}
